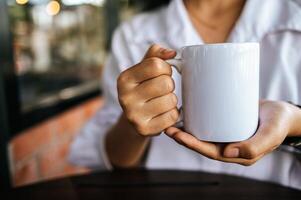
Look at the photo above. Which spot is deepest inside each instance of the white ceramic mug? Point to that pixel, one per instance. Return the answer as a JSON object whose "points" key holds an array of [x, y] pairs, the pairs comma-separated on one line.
{"points": [[220, 90]]}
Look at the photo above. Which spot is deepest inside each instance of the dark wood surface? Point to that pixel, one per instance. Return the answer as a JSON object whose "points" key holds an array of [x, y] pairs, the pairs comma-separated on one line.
{"points": [[154, 184]]}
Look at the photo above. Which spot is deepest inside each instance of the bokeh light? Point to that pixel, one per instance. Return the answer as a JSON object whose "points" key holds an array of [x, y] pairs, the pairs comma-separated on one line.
{"points": [[22, 2], [53, 8]]}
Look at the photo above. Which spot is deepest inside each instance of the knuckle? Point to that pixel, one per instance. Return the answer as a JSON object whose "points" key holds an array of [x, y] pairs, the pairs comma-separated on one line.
{"points": [[251, 151], [156, 63], [173, 115], [125, 100], [122, 78], [168, 84], [132, 117], [154, 47], [173, 99], [142, 129]]}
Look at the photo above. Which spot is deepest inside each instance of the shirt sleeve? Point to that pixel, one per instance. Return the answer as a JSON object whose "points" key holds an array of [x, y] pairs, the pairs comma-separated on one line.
{"points": [[88, 148]]}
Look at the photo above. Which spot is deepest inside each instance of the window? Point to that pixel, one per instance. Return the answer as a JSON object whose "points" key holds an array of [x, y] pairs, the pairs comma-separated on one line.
{"points": [[59, 49], [58, 52]]}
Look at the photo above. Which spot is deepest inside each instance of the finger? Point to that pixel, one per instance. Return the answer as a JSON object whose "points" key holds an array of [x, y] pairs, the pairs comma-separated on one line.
{"points": [[242, 161], [154, 58], [160, 105], [147, 69], [163, 121], [156, 50], [264, 140], [152, 65], [155, 87], [207, 149]]}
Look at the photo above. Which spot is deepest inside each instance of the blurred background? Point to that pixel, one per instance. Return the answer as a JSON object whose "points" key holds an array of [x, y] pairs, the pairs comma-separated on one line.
{"points": [[51, 59]]}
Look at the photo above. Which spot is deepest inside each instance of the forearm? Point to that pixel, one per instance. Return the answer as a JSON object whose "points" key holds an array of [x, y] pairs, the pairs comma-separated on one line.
{"points": [[125, 147]]}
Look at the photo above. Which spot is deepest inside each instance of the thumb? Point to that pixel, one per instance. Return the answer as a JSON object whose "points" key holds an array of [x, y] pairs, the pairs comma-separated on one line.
{"points": [[264, 140], [156, 50]]}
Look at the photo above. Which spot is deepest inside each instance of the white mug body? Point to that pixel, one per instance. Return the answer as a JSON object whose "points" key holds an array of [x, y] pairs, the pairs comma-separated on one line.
{"points": [[220, 91]]}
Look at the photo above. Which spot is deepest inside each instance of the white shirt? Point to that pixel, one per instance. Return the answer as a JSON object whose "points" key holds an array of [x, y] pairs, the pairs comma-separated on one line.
{"points": [[275, 24]]}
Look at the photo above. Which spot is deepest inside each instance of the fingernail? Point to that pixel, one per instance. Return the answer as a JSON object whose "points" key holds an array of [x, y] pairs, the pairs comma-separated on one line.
{"points": [[168, 51], [232, 153]]}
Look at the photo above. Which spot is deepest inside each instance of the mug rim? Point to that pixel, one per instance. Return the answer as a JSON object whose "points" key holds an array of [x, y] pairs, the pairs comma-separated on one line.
{"points": [[223, 44]]}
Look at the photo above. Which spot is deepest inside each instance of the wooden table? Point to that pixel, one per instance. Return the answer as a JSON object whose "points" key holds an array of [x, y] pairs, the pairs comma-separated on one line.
{"points": [[154, 184]]}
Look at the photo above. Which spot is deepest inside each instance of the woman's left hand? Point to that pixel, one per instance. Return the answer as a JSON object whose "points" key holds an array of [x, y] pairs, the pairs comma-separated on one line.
{"points": [[276, 123]]}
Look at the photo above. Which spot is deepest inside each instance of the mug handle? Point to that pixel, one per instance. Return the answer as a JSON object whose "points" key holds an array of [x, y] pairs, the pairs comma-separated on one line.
{"points": [[178, 65]]}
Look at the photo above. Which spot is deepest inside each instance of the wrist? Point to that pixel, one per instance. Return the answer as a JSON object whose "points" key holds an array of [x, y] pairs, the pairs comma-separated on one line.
{"points": [[125, 147], [130, 129], [295, 122]]}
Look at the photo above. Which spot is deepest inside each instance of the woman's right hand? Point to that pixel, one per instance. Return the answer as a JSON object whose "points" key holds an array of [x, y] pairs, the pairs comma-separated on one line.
{"points": [[145, 92]]}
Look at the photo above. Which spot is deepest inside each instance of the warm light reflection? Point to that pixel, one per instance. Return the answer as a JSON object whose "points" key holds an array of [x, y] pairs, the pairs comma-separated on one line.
{"points": [[21, 2], [79, 2], [53, 8]]}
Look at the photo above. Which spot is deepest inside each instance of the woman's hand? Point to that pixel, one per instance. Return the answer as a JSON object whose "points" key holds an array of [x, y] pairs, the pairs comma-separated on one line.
{"points": [[145, 92], [277, 121]]}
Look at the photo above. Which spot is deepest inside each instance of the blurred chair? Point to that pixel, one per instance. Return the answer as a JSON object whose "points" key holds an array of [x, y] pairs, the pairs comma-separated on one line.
{"points": [[4, 138], [4, 132]]}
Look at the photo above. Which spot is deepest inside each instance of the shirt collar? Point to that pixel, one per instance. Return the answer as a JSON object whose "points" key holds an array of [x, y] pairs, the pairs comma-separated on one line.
{"points": [[179, 28], [258, 18]]}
